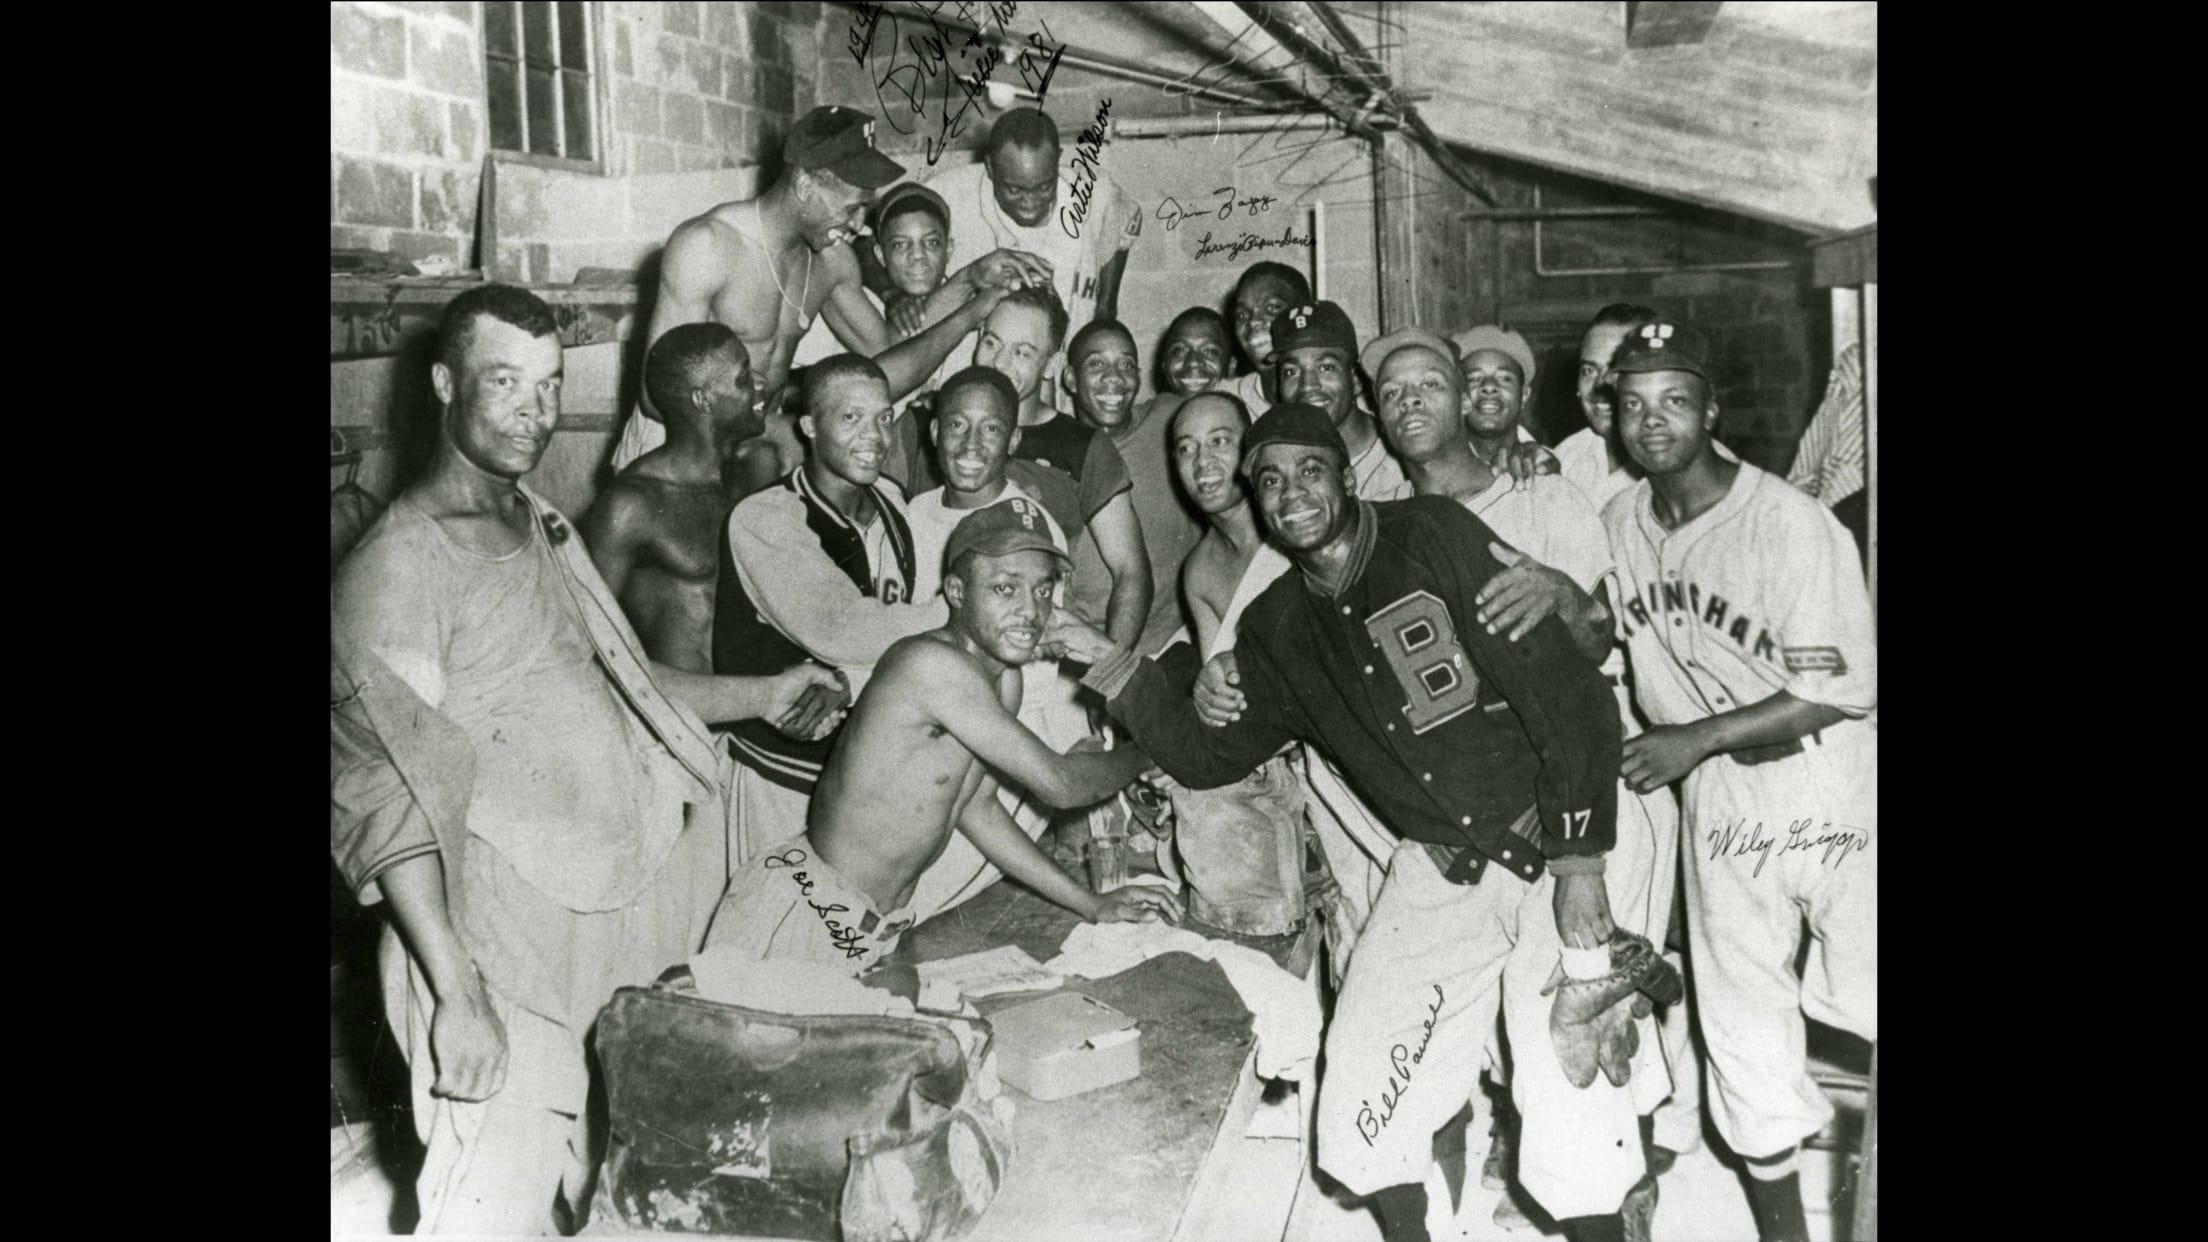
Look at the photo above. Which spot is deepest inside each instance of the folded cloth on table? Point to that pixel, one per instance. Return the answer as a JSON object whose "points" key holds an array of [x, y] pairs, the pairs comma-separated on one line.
{"points": [[1284, 1010]]}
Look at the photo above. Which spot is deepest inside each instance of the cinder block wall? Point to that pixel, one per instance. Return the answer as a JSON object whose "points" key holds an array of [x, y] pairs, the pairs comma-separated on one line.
{"points": [[690, 87]]}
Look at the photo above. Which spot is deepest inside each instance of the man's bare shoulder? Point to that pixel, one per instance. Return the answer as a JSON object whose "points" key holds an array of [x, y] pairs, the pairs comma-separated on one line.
{"points": [[839, 265], [704, 243]]}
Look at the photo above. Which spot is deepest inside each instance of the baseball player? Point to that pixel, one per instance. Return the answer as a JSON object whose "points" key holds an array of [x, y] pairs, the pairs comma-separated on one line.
{"points": [[1424, 416], [1742, 606], [1490, 762], [1315, 357], [921, 759]]}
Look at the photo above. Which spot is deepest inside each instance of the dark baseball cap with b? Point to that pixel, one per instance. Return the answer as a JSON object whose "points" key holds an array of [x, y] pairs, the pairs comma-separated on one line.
{"points": [[1292, 422], [840, 140], [1662, 346], [1313, 323], [1015, 524]]}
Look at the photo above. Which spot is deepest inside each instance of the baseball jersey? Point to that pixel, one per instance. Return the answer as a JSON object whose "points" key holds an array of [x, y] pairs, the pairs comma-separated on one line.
{"points": [[1376, 472], [1584, 461], [1828, 463], [1249, 388], [1762, 593], [1449, 732], [1076, 250], [1547, 519], [932, 522]]}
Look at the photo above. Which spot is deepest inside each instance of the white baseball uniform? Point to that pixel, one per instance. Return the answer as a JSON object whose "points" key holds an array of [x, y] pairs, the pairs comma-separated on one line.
{"points": [[1764, 593]]}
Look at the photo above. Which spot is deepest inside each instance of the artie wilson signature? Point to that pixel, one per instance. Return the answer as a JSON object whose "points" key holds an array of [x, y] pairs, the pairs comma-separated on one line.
{"points": [[1400, 1061], [844, 938], [1740, 839]]}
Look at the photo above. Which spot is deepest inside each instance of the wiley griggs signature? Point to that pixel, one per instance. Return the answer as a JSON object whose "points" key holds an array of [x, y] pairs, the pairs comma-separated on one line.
{"points": [[1740, 839]]}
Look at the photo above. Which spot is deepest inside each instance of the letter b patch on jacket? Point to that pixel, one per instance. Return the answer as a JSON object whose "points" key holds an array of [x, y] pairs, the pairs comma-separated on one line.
{"points": [[1421, 648]]}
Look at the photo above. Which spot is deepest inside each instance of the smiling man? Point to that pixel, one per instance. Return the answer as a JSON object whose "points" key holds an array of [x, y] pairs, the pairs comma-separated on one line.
{"points": [[768, 266], [1492, 763], [1195, 352], [1315, 358], [536, 798], [1752, 643], [1261, 293], [1020, 338], [923, 755], [1102, 373], [1012, 199], [820, 567]]}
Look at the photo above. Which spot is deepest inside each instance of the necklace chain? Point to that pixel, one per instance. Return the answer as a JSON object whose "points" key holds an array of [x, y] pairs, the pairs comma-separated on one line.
{"points": [[799, 305]]}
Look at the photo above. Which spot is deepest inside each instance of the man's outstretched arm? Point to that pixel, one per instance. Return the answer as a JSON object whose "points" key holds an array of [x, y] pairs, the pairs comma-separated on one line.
{"points": [[992, 831]]}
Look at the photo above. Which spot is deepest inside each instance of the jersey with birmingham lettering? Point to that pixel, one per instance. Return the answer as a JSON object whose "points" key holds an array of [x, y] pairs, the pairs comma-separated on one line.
{"points": [[1760, 594]]}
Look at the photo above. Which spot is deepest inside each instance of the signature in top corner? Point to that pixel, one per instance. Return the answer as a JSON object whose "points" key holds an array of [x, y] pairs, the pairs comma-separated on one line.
{"points": [[1740, 839], [918, 68]]}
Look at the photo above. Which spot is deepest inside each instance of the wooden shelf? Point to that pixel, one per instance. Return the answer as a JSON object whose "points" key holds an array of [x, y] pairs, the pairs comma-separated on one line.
{"points": [[373, 317]]}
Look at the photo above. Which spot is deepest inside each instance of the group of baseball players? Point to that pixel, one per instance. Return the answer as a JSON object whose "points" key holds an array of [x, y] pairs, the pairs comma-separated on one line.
{"points": [[856, 619]]}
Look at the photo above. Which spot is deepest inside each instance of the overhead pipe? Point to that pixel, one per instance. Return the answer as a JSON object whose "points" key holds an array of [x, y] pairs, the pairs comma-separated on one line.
{"points": [[1378, 83], [1096, 62], [1219, 123]]}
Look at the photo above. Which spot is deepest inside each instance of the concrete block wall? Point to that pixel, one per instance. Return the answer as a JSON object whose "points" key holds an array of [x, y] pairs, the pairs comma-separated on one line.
{"points": [[407, 128], [689, 86]]}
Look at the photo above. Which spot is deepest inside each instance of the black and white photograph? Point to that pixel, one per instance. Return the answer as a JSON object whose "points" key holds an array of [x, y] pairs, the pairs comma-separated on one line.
{"points": [[1165, 621]]}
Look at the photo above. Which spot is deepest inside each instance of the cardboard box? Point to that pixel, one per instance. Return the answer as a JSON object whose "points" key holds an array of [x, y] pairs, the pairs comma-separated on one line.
{"points": [[1065, 1044]]}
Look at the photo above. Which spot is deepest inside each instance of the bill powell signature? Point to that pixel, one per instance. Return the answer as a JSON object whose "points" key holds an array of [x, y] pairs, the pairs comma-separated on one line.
{"points": [[1400, 1062]]}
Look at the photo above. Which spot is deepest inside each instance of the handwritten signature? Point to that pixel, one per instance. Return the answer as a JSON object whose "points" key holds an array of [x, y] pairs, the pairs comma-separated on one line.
{"points": [[1088, 152], [843, 937], [1249, 241], [917, 68], [1173, 213], [1301, 163], [1400, 1061], [1740, 839]]}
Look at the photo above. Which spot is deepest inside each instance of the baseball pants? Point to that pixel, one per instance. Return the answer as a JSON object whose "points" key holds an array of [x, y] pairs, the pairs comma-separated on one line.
{"points": [[790, 904], [492, 1166], [1769, 845], [1434, 962]]}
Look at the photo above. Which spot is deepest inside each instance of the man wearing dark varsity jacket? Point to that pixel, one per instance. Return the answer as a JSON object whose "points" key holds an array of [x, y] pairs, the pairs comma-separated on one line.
{"points": [[1493, 762], [820, 567]]}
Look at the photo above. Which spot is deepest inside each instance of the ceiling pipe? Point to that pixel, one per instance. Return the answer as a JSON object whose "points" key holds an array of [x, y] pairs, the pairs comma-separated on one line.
{"points": [[1205, 126], [1357, 63], [1095, 62]]}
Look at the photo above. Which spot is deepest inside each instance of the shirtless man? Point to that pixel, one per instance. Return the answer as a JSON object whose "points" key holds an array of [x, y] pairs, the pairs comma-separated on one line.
{"points": [[766, 267], [655, 533], [920, 757]]}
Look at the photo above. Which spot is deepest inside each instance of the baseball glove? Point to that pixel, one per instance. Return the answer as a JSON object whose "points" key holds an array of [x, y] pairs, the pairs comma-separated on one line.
{"points": [[1591, 1020]]}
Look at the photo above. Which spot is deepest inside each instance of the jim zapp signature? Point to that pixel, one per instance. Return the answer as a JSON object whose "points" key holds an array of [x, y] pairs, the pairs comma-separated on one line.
{"points": [[1223, 208], [1740, 839], [843, 937], [1401, 1059], [917, 68]]}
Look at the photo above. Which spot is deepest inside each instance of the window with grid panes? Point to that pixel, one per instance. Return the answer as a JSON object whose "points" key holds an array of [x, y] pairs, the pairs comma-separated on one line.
{"points": [[537, 72]]}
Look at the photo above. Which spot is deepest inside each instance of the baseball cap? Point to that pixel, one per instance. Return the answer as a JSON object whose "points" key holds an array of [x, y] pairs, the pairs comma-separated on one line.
{"points": [[1313, 323], [1292, 422], [1014, 524], [1663, 346], [1377, 352], [897, 194], [840, 140], [1489, 336]]}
